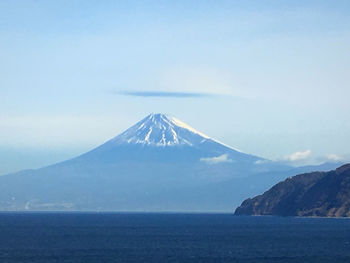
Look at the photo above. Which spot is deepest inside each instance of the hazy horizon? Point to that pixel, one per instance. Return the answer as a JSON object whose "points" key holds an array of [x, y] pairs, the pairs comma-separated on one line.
{"points": [[271, 79]]}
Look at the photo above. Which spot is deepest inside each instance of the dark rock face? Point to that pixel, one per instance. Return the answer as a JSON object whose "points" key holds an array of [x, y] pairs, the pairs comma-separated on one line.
{"points": [[325, 194]]}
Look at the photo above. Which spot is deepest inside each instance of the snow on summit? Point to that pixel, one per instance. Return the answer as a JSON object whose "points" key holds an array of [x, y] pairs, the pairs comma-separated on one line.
{"points": [[161, 130]]}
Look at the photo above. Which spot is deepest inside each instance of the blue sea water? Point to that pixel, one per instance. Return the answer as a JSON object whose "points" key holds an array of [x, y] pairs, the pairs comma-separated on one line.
{"points": [[133, 237]]}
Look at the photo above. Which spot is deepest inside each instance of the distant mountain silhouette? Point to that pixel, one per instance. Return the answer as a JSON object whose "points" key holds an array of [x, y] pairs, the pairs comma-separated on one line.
{"points": [[159, 164], [325, 194]]}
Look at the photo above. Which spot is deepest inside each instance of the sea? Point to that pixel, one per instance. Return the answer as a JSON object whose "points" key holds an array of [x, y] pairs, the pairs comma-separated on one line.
{"points": [[171, 237]]}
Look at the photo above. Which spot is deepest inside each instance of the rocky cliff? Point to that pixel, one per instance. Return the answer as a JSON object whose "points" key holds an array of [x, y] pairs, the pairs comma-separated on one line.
{"points": [[324, 194]]}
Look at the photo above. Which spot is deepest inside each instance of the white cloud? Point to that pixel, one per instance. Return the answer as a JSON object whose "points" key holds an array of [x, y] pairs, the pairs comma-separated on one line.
{"points": [[334, 157], [261, 161], [218, 159], [299, 156]]}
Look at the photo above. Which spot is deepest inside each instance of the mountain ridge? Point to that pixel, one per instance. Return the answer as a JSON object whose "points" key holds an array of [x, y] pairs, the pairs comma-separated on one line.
{"points": [[185, 172], [325, 194], [159, 129]]}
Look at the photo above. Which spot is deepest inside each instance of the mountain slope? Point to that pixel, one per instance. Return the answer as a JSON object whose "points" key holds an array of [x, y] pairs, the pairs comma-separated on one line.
{"points": [[311, 194], [159, 164], [161, 136]]}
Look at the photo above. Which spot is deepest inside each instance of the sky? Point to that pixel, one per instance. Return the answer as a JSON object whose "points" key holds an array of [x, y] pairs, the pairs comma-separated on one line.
{"points": [[270, 78]]}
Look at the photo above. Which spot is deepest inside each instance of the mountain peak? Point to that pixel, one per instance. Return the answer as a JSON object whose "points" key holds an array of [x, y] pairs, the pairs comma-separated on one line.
{"points": [[159, 129]]}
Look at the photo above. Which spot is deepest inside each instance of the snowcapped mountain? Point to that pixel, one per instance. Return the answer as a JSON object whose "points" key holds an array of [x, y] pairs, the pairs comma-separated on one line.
{"points": [[162, 130], [161, 137], [159, 164]]}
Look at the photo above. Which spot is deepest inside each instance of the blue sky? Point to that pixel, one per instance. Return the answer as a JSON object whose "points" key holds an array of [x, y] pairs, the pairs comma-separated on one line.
{"points": [[268, 77]]}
